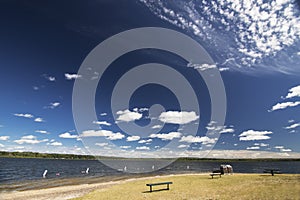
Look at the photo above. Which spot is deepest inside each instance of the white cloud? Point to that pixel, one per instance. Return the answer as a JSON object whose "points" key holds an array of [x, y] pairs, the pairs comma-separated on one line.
{"points": [[166, 136], [128, 116], [183, 146], [253, 148], [101, 144], [223, 69], [38, 119], [212, 126], [1, 145], [145, 141], [293, 126], [35, 88], [227, 130], [42, 131], [72, 76], [54, 105], [293, 92], [157, 126], [176, 117], [140, 109], [279, 147], [291, 121], [55, 144], [29, 139], [202, 67], [67, 135], [102, 133], [103, 114], [24, 115], [49, 78], [286, 150], [280, 106], [133, 138], [258, 28], [251, 135], [261, 144], [102, 123], [125, 147], [198, 139], [4, 137], [142, 148]]}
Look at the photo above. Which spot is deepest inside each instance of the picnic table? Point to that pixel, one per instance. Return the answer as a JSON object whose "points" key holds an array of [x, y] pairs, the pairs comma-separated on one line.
{"points": [[272, 171]]}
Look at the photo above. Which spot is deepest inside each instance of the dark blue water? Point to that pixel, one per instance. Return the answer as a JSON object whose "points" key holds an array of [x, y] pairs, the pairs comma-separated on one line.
{"points": [[14, 171]]}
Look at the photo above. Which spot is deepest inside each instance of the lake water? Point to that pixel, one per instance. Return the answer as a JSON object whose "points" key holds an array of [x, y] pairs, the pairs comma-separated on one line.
{"points": [[25, 173]]}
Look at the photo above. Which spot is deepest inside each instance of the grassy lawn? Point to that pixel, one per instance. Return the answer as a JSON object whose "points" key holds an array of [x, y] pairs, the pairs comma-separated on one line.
{"points": [[237, 186]]}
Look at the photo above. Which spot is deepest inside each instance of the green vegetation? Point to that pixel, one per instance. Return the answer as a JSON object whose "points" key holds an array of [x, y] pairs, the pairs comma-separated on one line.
{"points": [[91, 157], [237, 186], [44, 155]]}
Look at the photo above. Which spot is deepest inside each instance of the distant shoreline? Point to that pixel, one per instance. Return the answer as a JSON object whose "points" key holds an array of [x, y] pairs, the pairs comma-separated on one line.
{"points": [[6, 154]]}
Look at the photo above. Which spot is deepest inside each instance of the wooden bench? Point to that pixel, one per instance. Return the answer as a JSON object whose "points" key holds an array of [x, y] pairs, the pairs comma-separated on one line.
{"points": [[162, 183], [215, 174], [272, 171]]}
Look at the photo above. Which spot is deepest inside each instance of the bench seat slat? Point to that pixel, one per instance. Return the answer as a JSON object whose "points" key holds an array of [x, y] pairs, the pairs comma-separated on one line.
{"points": [[163, 183]]}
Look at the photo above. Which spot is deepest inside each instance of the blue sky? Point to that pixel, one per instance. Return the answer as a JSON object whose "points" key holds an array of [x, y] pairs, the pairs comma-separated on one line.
{"points": [[43, 45]]}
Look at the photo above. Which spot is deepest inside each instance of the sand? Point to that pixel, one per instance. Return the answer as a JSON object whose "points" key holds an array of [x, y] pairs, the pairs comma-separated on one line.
{"points": [[70, 191]]}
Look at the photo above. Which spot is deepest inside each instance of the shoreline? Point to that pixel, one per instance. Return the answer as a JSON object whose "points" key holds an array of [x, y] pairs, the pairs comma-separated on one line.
{"points": [[77, 190]]}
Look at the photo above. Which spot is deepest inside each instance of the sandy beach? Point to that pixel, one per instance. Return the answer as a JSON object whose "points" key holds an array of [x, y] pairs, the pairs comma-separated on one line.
{"points": [[71, 191], [185, 186]]}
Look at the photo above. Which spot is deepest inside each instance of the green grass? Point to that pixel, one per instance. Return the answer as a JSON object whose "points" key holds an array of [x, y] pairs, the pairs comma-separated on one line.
{"points": [[237, 186]]}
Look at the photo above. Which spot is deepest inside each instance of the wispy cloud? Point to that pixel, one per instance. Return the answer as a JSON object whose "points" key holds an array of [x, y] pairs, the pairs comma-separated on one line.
{"points": [[156, 126], [183, 146], [142, 148], [49, 78], [39, 120], [101, 144], [213, 127], [125, 147], [251, 135], [202, 67], [26, 115], [29, 139], [178, 117], [293, 126], [253, 148], [42, 131], [53, 105], [72, 76], [102, 123]]}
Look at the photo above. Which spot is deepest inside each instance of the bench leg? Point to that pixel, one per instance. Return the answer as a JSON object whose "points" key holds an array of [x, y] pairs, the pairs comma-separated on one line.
{"points": [[150, 188], [168, 187]]}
